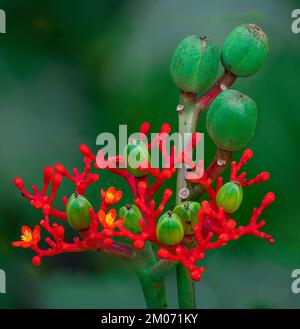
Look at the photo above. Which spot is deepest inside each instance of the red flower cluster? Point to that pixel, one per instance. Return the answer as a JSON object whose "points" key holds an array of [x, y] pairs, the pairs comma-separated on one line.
{"points": [[215, 228]]}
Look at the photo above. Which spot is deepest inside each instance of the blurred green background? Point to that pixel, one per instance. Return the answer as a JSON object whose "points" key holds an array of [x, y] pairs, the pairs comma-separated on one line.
{"points": [[72, 69]]}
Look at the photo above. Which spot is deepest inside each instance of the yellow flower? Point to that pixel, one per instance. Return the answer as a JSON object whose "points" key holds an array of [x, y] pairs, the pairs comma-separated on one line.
{"points": [[108, 220], [29, 238], [111, 196]]}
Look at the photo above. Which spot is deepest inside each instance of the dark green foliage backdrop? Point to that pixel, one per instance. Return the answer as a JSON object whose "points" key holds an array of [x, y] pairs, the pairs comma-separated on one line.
{"points": [[72, 69]]}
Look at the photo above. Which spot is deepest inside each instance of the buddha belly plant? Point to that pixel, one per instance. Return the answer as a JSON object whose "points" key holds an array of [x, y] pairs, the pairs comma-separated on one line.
{"points": [[155, 236]]}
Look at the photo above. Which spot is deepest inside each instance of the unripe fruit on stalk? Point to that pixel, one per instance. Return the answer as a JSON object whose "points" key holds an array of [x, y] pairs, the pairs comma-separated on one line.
{"points": [[194, 64], [245, 50], [169, 230], [230, 197], [77, 211], [231, 120], [131, 215], [135, 153], [188, 214]]}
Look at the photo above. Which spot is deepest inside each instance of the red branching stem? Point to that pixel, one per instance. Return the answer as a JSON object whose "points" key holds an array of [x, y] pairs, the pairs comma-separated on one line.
{"points": [[224, 82], [213, 221]]}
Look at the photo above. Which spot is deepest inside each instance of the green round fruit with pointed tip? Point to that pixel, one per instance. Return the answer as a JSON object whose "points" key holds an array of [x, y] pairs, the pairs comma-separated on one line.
{"points": [[169, 230], [231, 120], [77, 211], [245, 50], [194, 64], [136, 152], [188, 214], [131, 214], [230, 197]]}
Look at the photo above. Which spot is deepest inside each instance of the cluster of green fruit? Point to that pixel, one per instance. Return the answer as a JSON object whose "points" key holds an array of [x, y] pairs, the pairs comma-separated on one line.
{"points": [[231, 118], [171, 227], [174, 225]]}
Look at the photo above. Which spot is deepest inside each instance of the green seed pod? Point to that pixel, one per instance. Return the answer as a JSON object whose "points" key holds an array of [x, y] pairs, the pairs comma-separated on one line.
{"points": [[245, 50], [169, 230], [194, 64], [135, 153], [231, 120], [77, 210], [230, 196], [131, 215], [188, 214]]}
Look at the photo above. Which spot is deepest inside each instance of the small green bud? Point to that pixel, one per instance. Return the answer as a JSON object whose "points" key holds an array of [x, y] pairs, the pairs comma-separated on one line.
{"points": [[131, 214], [169, 230], [188, 214], [77, 211], [194, 64], [231, 120], [135, 153], [230, 196], [245, 50]]}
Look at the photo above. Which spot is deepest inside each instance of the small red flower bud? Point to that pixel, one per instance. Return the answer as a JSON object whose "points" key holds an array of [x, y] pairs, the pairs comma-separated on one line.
{"points": [[108, 242], [145, 128], [163, 253], [196, 275], [231, 224], [165, 128], [138, 244], [84, 149], [269, 198], [142, 187], [48, 172], [59, 231], [19, 183], [60, 169], [271, 240], [224, 237], [94, 177], [264, 176], [56, 180], [36, 261]]}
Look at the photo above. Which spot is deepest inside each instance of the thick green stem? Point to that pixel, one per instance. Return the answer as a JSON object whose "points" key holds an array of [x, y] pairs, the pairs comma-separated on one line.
{"points": [[159, 271], [188, 113], [189, 109], [154, 290], [185, 288], [188, 116]]}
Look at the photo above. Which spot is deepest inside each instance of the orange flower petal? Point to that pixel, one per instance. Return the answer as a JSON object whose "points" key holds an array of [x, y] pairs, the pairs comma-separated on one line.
{"points": [[118, 196], [36, 235], [101, 216], [21, 244], [24, 229], [111, 190], [113, 213]]}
